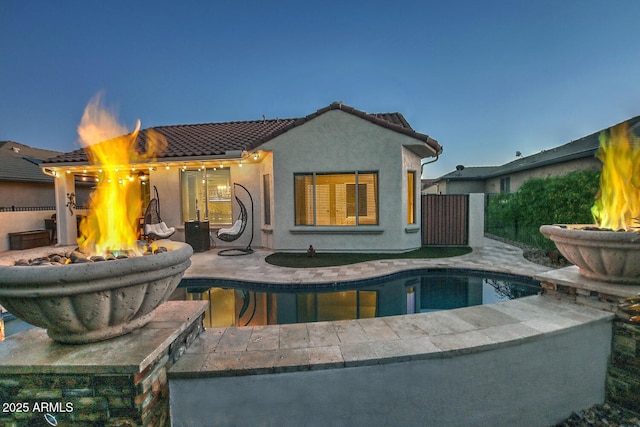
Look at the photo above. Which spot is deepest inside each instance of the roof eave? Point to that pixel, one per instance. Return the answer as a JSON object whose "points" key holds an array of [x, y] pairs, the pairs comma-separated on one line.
{"points": [[229, 155], [422, 150]]}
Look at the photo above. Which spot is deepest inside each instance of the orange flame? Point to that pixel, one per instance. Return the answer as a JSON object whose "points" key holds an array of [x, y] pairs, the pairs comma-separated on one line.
{"points": [[116, 203], [618, 204]]}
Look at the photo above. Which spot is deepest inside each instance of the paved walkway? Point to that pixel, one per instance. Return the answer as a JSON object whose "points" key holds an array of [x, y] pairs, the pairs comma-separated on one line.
{"points": [[494, 256]]}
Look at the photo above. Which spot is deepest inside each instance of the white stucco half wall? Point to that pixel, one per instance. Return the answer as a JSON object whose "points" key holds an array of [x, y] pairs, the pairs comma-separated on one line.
{"points": [[476, 220]]}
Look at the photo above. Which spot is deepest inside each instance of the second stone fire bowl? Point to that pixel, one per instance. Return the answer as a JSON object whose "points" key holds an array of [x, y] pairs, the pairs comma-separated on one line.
{"points": [[609, 256]]}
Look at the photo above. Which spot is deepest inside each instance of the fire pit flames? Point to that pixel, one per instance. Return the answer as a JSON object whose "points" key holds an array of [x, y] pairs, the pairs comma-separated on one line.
{"points": [[111, 226], [618, 205]]}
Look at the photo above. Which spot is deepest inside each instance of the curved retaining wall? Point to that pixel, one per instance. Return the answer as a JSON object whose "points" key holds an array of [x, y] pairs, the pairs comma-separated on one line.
{"points": [[530, 361]]}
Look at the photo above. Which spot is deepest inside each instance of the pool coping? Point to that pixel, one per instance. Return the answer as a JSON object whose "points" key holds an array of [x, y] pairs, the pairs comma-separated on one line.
{"points": [[272, 349], [201, 283]]}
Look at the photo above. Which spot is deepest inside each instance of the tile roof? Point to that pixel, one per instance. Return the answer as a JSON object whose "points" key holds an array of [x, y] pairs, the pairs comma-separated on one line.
{"points": [[216, 139], [21, 163]]}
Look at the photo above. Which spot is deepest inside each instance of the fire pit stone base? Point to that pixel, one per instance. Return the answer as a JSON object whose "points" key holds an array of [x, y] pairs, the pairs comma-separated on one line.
{"points": [[117, 382]]}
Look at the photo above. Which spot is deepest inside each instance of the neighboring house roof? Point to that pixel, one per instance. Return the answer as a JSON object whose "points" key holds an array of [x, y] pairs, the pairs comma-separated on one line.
{"points": [[21, 163], [222, 139], [578, 149], [467, 173]]}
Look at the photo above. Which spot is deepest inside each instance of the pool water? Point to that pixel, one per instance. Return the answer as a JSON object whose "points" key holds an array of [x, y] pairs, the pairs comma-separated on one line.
{"points": [[234, 303]]}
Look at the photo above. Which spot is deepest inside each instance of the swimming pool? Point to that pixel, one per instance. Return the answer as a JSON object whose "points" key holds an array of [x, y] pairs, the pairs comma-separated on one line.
{"points": [[237, 303]]}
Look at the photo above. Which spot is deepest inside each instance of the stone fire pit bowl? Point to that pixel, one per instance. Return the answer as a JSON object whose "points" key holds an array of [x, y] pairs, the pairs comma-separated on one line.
{"points": [[608, 256], [83, 303]]}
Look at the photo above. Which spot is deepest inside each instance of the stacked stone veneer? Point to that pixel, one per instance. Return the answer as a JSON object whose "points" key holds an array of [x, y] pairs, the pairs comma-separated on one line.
{"points": [[623, 379], [623, 376], [97, 397]]}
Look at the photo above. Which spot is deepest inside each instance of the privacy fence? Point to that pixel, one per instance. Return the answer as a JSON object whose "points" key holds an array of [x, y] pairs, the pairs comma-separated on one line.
{"points": [[445, 220]]}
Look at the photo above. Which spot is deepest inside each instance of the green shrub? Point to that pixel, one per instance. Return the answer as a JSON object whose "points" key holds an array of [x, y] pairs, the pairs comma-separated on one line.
{"points": [[556, 200], [553, 200]]}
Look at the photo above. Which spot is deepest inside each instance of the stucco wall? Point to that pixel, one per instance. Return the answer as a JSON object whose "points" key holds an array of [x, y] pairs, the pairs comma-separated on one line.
{"points": [[168, 184], [22, 194], [535, 383], [517, 179], [27, 194], [340, 142], [14, 222], [411, 236], [465, 187], [266, 230], [476, 220]]}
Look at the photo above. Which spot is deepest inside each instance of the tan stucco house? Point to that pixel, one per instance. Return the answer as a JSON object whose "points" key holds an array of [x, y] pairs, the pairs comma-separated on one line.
{"points": [[507, 178], [22, 183], [339, 179], [26, 194]]}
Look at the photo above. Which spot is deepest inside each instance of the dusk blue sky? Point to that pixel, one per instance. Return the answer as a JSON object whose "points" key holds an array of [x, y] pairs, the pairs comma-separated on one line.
{"points": [[485, 78]]}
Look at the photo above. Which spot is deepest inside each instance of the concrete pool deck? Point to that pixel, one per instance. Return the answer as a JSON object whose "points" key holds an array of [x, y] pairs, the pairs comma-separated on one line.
{"points": [[546, 357]]}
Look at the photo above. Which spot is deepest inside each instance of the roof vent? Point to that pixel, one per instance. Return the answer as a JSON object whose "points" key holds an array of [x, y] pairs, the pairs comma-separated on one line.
{"points": [[15, 149], [459, 167]]}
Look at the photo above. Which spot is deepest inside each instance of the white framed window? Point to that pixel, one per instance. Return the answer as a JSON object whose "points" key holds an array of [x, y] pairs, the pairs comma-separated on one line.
{"points": [[505, 185], [336, 199]]}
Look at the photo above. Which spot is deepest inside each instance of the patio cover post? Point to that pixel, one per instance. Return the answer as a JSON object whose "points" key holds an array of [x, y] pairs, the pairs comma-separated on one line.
{"points": [[65, 221]]}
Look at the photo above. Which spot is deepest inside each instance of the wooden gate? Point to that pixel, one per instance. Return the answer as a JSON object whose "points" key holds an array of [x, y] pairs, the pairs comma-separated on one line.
{"points": [[445, 219]]}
